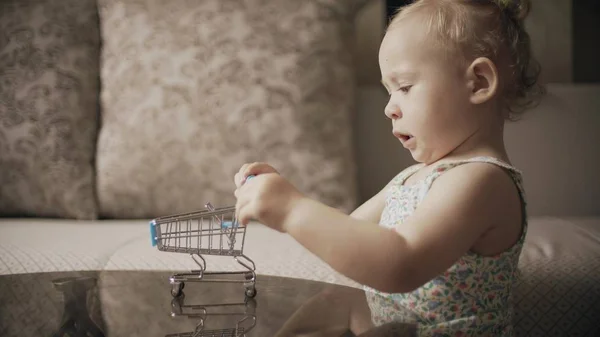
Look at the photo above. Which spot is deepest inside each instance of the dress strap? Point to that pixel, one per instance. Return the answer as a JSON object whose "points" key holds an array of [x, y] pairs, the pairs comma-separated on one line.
{"points": [[481, 159], [407, 172], [443, 167]]}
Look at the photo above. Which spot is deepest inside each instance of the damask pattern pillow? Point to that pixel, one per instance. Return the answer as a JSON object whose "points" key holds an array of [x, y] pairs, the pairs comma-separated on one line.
{"points": [[191, 90], [558, 296], [49, 72]]}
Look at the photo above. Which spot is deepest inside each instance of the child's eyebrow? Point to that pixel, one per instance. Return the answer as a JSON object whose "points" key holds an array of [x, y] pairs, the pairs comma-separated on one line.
{"points": [[396, 75]]}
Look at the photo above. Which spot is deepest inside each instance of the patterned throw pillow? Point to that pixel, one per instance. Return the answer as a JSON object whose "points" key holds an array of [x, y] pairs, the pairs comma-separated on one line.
{"points": [[558, 296], [191, 90], [49, 71]]}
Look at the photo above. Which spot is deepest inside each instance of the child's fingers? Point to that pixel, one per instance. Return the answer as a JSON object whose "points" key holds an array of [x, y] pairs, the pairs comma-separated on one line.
{"points": [[251, 169], [239, 176], [243, 214], [238, 208], [237, 179], [256, 169], [240, 180], [242, 207], [244, 219]]}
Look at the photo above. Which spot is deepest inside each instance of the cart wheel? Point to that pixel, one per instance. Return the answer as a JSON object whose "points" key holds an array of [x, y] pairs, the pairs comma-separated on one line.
{"points": [[176, 291], [251, 292]]}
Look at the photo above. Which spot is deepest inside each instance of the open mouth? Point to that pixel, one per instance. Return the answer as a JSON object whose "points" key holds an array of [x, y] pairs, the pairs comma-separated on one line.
{"points": [[403, 137]]}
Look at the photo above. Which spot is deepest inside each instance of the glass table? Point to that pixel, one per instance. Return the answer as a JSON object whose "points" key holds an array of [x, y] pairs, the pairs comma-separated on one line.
{"points": [[139, 303]]}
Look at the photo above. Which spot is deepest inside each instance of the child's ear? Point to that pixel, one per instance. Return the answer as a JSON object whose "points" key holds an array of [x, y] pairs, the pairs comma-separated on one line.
{"points": [[482, 76]]}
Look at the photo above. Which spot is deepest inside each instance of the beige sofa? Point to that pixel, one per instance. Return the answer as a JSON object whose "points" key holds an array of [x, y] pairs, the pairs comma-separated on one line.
{"points": [[115, 112]]}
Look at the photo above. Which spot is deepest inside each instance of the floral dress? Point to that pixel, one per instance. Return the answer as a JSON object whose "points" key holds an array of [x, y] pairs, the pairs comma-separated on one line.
{"points": [[472, 297]]}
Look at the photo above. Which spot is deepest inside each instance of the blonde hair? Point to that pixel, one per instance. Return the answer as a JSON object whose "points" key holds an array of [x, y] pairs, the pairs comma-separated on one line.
{"points": [[486, 28]]}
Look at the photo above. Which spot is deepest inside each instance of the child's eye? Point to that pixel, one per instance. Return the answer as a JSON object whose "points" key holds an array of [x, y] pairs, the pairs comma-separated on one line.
{"points": [[405, 89]]}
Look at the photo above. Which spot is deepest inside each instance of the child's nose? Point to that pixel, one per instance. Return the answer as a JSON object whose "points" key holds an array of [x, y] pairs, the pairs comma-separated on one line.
{"points": [[392, 111]]}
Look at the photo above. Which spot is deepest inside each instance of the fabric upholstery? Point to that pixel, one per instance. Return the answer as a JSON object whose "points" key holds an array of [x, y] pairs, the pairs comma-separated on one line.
{"points": [[49, 68], [558, 297], [558, 293], [191, 90]]}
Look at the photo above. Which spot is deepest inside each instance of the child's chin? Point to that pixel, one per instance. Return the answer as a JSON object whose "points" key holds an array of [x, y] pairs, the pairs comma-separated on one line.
{"points": [[416, 156], [419, 156]]}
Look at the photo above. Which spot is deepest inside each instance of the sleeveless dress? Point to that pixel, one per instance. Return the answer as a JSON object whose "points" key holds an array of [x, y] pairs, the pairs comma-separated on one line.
{"points": [[471, 298]]}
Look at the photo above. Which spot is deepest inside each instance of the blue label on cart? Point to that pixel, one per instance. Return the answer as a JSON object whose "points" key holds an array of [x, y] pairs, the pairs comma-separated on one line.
{"points": [[153, 233], [229, 224]]}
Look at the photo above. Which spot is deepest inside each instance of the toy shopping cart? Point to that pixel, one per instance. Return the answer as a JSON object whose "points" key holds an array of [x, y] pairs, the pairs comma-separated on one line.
{"points": [[241, 317], [207, 232]]}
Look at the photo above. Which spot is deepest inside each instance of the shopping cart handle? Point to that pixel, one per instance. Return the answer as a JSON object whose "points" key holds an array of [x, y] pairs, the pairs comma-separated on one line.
{"points": [[250, 177], [153, 233]]}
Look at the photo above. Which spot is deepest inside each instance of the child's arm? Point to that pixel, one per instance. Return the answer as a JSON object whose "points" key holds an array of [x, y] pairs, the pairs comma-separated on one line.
{"points": [[371, 209], [461, 205]]}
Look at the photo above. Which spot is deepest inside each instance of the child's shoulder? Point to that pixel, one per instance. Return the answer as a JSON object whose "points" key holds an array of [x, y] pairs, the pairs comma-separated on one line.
{"points": [[480, 171], [476, 189], [479, 162], [456, 212]]}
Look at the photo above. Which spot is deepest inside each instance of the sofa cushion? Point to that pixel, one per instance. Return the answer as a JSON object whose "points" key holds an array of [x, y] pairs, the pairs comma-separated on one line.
{"points": [[558, 291], [49, 68], [195, 89]]}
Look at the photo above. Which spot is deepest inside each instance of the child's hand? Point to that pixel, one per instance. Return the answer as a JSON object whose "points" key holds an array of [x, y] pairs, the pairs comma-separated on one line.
{"points": [[253, 169], [266, 198]]}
